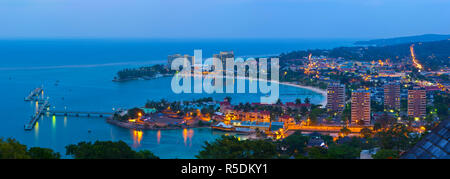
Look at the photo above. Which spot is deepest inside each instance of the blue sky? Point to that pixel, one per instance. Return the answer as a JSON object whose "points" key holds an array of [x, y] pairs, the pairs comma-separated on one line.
{"points": [[222, 18]]}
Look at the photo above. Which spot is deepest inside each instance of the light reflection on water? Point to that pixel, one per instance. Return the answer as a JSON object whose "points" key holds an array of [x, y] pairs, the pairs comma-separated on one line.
{"points": [[188, 134], [137, 137], [158, 136]]}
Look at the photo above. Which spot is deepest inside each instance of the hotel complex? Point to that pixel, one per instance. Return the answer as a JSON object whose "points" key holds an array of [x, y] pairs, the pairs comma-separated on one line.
{"points": [[392, 96], [360, 107], [335, 97], [417, 102]]}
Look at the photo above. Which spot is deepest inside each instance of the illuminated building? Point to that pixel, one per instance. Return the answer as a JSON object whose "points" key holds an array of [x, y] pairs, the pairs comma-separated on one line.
{"points": [[417, 102], [171, 58], [222, 56], [360, 107], [392, 96], [335, 97]]}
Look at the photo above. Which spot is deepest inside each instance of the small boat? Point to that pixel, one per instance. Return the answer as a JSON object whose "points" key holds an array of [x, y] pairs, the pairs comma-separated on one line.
{"points": [[223, 127]]}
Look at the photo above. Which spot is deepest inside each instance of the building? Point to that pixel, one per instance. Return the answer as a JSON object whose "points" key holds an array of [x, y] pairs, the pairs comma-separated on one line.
{"points": [[392, 96], [222, 56], [435, 145], [360, 107], [171, 58], [417, 102], [335, 97]]}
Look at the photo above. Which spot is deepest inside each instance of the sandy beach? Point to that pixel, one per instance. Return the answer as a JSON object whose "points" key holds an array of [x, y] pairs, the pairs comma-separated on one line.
{"points": [[311, 88]]}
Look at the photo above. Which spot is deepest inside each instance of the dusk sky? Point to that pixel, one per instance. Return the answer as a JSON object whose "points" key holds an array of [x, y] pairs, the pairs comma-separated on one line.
{"points": [[222, 18]]}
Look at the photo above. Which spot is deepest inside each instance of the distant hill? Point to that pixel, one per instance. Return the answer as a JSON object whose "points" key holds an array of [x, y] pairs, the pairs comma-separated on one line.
{"points": [[402, 40], [433, 55]]}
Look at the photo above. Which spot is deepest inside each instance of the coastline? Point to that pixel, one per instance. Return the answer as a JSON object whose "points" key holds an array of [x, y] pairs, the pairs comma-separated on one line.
{"points": [[311, 88]]}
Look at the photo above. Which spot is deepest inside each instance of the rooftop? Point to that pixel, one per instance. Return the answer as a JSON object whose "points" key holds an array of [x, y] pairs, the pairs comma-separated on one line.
{"points": [[434, 145]]}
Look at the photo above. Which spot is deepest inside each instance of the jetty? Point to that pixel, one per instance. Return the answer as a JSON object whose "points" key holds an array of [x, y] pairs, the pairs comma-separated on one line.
{"points": [[43, 107], [35, 94], [40, 111], [80, 113]]}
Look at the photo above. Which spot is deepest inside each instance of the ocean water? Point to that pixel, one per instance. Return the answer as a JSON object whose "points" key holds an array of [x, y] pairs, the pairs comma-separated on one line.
{"points": [[84, 70]]}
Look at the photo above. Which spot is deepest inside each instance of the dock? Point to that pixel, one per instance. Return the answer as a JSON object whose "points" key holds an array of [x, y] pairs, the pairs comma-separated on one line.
{"points": [[34, 95], [41, 110], [80, 113], [37, 95]]}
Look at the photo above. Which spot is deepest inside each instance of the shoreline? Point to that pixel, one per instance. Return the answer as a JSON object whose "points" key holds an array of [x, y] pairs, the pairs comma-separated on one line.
{"points": [[311, 88]]}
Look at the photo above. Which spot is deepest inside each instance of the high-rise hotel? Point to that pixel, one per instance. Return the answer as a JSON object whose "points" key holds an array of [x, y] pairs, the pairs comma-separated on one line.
{"points": [[223, 56], [335, 97], [189, 58], [392, 96], [361, 107], [417, 102]]}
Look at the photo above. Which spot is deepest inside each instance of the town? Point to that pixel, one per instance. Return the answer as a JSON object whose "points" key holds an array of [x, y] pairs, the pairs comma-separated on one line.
{"points": [[363, 99]]}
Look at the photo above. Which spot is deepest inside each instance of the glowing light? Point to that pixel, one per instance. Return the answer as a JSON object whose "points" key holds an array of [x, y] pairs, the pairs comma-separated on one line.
{"points": [[415, 61], [137, 137], [54, 121], [158, 136]]}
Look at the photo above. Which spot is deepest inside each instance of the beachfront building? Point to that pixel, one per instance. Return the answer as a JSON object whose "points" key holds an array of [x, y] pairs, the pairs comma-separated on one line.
{"points": [[335, 97], [417, 102], [222, 56], [360, 111], [392, 96], [171, 58]]}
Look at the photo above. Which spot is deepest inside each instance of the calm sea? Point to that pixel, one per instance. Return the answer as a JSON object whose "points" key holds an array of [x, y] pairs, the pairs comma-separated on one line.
{"points": [[77, 74]]}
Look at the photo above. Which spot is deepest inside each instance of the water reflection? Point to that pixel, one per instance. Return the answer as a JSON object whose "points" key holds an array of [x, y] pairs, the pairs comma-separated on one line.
{"points": [[36, 131], [65, 121], [54, 122], [137, 137], [188, 134], [158, 136]]}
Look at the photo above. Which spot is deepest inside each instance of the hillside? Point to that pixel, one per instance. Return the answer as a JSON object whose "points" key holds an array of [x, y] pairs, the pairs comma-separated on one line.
{"points": [[402, 40], [433, 55]]}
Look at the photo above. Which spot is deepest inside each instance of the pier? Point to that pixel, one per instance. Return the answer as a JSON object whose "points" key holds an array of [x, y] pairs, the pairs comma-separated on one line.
{"points": [[35, 94], [80, 113], [43, 106], [41, 109]]}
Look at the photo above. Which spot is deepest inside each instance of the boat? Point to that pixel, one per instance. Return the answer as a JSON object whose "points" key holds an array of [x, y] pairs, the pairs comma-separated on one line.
{"points": [[223, 127]]}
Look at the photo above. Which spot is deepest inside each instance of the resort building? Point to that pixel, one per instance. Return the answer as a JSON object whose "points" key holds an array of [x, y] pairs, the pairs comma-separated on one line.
{"points": [[417, 102], [222, 56], [392, 96], [335, 97], [360, 113], [171, 58]]}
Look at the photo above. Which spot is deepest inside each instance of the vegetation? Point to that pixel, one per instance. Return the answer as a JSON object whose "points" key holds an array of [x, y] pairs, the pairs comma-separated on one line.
{"points": [[433, 55], [386, 154], [106, 150], [230, 147], [12, 149], [142, 72]]}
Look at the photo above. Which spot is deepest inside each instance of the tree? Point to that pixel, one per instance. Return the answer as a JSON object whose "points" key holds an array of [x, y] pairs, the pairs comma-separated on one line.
{"points": [[386, 154], [12, 149], [294, 144], [345, 131], [343, 151], [396, 137], [106, 150], [134, 113], [366, 132], [279, 101], [230, 147], [43, 153], [298, 101], [307, 100]]}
